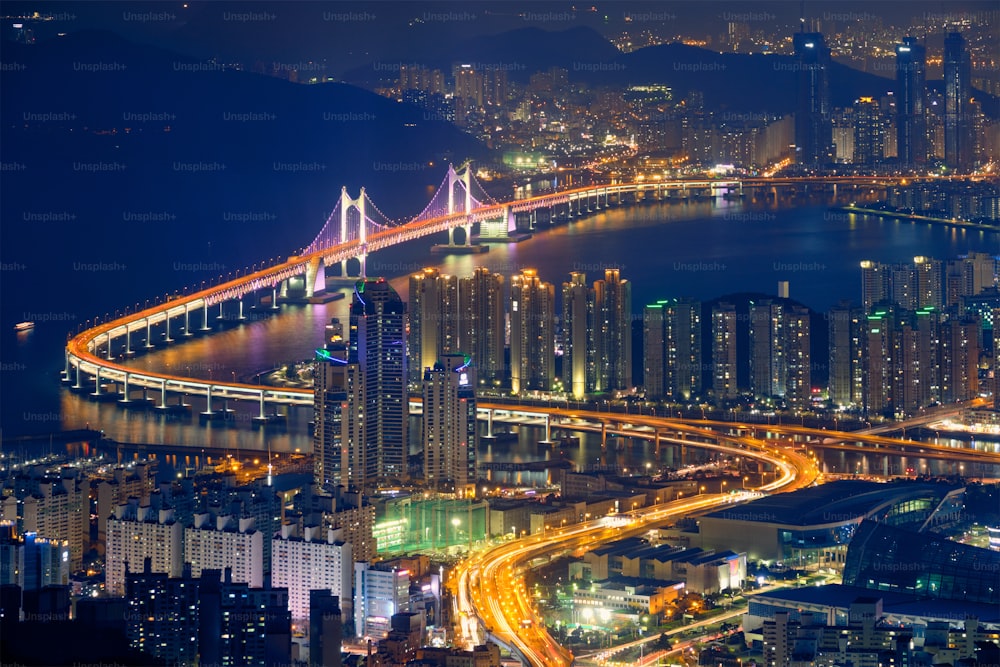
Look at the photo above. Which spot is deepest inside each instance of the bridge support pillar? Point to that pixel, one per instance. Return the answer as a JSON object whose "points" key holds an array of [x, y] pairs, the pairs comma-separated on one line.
{"points": [[363, 259], [261, 413], [128, 341], [221, 309], [241, 309], [187, 319], [208, 402], [97, 383], [204, 317], [312, 274], [489, 423], [604, 434], [468, 233], [77, 385], [109, 346], [284, 283], [124, 398], [163, 395], [274, 298], [451, 236], [166, 325]]}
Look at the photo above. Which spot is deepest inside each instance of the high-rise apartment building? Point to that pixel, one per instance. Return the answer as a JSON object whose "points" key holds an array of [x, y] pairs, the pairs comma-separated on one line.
{"points": [[579, 369], [224, 542], [724, 369], [136, 534], [672, 349], [339, 427], [449, 424], [315, 561], [613, 332], [434, 320], [482, 324], [532, 338]]}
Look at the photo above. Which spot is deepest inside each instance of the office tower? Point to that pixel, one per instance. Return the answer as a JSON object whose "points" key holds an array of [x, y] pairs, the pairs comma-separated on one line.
{"points": [[315, 561], [325, 629], [613, 332], [672, 349], [579, 369], [434, 320], [449, 424], [136, 534], [958, 138], [224, 542], [380, 591], [959, 359], [911, 102], [877, 363], [869, 145], [339, 426], [483, 324], [798, 361], [532, 343], [845, 324], [378, 345], [724, 374], [768, 362], [813, 120], [30, 561]]}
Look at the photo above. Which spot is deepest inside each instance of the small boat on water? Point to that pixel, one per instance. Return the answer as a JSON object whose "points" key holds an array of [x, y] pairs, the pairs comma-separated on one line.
{"points": [[24, 326]]}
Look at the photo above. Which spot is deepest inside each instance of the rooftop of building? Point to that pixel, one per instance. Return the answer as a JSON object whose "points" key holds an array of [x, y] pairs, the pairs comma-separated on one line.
{"points": [[835, 502], [842, 596], [619, 547], [621, 582]]}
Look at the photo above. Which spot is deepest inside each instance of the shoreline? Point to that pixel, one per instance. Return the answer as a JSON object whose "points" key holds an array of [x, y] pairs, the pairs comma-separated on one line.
{"points": [[917, 218]]}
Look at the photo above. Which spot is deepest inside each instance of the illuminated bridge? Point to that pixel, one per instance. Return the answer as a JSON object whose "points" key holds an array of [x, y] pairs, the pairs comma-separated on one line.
{"points": [[354, 229]]}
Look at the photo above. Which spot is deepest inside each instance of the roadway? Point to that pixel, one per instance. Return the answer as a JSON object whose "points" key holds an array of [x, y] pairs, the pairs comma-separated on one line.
{"points": [[489, 591]]}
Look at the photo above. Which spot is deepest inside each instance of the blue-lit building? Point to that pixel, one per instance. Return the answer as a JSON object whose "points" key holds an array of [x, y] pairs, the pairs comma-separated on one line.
{"points": [[378, 345], [883, 557]]}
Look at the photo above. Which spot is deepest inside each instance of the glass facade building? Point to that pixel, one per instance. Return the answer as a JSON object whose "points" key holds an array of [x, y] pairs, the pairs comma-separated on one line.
{"points": [[886, 558]]}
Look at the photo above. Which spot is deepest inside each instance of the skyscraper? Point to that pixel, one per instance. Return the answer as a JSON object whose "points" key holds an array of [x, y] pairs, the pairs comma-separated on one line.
{"points": [[877, 363], [911, 103], [378, 346], [449, 424], [958, 137], [483, 324], [532, 342], [672, 349], [339, 433], [434, 320], [578, 368], [813, 120], [724, 370], [613, 331]]}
